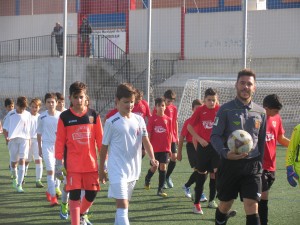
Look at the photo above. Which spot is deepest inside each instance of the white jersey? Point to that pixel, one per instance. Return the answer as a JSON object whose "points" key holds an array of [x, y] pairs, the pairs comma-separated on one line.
{"points": [[124, 137], [47, 126], [17, 125], [33, 125]]}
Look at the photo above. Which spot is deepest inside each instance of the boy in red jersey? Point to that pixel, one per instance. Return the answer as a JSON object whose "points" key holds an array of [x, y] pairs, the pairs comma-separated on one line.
{"points": [[79, 131], [190, 149], [274, 133], [159, 131], [171, 111], [207, 158]]}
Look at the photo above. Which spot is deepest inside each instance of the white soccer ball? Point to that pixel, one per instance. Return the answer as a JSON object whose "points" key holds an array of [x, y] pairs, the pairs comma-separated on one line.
{"points": [[240, 141]]}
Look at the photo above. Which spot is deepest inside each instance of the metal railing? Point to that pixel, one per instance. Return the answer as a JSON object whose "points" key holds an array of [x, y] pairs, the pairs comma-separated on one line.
{"points": [[45, 46]]}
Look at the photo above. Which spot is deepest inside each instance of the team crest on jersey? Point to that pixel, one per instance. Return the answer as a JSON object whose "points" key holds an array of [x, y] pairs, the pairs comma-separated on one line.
{"points": [[257, 124], [166, 121], [91, 119], [236, 123], [274, 123]]}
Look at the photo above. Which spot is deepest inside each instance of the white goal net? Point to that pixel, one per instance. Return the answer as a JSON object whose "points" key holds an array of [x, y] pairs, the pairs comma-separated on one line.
{"points": [[287, 89]]}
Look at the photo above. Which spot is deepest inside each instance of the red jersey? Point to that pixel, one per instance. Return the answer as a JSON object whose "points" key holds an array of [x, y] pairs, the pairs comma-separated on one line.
{"points": [[142, 109], [273, 131], [76, 139], [185, 133], [111, 113], [159, 129], [171, 111], [202, 121]]}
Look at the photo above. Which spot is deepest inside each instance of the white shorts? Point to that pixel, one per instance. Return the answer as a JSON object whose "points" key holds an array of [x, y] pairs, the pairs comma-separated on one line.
{"points": [[48, 156], [18, 149], [33, 150], [121, 190]]}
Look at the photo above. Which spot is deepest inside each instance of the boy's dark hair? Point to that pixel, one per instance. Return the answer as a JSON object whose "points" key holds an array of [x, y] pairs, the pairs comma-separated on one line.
{"points": [[196, 102], [36, 101], [50, 95], [22, 102], [159, 100], [272, 102], [8, 101], [209, 91], [139, 94], [60, 96], [77, 87], [125, 90], [169, 94], [246, 72]]}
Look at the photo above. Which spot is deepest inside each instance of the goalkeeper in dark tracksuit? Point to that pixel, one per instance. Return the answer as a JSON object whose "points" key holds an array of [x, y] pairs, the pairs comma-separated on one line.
{"points": [[240, 173]]}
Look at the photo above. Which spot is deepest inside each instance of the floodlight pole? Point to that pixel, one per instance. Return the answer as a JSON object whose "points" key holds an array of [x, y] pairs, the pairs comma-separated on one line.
{"points": [[245, 26], [149, 49], [65, 48]]}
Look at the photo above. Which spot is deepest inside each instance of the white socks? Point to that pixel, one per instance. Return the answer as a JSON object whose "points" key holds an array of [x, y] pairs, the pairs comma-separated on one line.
{"points": [[38, 171], [21, 173], [121, 217], [51, 185]]}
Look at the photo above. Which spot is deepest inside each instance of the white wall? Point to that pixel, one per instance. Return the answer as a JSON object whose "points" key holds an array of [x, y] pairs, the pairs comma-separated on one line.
{"points": [[165, 31], [271, 33], [15, 27]]}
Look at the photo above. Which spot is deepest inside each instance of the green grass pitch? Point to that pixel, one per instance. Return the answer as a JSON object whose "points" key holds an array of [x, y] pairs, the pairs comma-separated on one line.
{"points": [[145, 207]]}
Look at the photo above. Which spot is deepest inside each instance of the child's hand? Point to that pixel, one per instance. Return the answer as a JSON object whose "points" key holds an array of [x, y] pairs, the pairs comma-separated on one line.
{"points": [[179, 156], [154, 162]]}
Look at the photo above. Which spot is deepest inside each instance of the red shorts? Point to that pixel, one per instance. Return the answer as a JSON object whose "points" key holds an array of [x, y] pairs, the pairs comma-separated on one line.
{"points": [[86, 181]]}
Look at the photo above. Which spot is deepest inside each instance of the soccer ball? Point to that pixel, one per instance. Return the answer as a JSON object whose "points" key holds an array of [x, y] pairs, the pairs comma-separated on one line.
{"points": [[240, 141]]}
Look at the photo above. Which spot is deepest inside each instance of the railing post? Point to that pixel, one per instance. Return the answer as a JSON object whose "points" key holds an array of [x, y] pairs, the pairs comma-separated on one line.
{"points": [[19, 40], [98, 46], [51, 50]]}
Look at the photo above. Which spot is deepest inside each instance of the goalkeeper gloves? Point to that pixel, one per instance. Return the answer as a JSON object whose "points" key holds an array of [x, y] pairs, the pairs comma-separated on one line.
{"points": [[60, 171], [292, 176]]}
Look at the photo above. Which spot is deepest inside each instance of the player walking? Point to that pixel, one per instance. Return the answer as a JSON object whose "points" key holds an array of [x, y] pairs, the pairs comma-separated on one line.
{"points": [[16, 129], [159, 131], [124, 133], [240, 173], [275, 133], [46, 136], [79, 133], [207, 158]]}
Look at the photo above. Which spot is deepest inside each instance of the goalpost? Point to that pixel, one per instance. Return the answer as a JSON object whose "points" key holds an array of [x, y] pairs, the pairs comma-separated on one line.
{"points": [[287, 89]]}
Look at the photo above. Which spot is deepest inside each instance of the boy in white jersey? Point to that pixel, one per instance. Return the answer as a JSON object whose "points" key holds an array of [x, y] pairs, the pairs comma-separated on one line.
{"points": [[64, 206], [35, 106], [124, 133], [17, 134], [46, 136], [9, 105], [60, 102]]}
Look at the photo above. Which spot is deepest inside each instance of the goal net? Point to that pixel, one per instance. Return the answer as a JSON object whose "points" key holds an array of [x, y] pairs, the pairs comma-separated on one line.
{"points": [[287, 89]]}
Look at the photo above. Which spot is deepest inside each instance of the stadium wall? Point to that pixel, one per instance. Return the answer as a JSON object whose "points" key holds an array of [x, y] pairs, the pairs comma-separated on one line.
{"points": [[224, 39], [16, 27]]}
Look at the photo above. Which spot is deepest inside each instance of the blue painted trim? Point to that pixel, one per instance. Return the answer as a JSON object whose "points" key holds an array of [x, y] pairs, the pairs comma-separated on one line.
{"points": [[17, 9], [271, 4], [77, 6], [278, 4], [214, 9], [107, 20], [145, 4]]}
